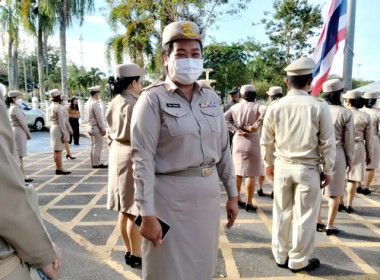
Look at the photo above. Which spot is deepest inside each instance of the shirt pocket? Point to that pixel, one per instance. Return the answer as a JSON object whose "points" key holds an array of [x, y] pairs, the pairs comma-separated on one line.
{"points": [[179, 121], [212, 116]]}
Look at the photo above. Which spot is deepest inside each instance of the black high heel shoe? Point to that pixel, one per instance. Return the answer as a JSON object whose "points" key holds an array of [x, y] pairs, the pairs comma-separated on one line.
{"points": [[71, 157], [241, 204], [250, 208], [60, 172], [134, 261], [127, 257]]}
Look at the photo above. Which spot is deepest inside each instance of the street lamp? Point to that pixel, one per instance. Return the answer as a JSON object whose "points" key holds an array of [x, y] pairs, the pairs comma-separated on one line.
{"points": [[359, 64]]}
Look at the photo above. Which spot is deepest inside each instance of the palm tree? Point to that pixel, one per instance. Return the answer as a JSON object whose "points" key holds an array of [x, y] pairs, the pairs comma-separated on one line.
{"points": [[9, 21], [66, 11], [94, 76], [40, 22]]}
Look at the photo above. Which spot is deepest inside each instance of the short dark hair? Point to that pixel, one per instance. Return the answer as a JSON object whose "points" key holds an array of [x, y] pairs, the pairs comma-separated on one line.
{"points": [[56, 99], [9, 101], [276, 96], [333, 97], [357, 102], [299, 81], [121, 83], [92, 93], [370, 102], [249, 96]]}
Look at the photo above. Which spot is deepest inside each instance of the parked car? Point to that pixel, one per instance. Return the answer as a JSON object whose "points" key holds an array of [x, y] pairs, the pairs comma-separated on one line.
{"points": [[34, 118]]}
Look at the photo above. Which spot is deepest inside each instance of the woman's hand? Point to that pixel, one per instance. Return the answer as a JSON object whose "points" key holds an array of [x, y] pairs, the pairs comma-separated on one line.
{"points": [[53, 270], [241, 132], [232, 210], [249, 128], [151, 230]]}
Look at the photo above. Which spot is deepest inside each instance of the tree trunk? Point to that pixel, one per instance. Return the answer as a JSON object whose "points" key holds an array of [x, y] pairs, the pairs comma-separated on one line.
{"points": [[62, 43], [45, 51], [10, 65], [40, 60], [15, 65]]}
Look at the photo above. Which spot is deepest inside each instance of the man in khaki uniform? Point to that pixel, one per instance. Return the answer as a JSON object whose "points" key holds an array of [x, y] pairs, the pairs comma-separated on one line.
{"points": [[23, 238], [95, 127], [298, 127], [274, 93]]}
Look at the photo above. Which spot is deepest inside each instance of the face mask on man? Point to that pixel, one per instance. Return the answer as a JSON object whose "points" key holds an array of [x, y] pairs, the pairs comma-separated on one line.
{"points": [[187, 70], [19, 102]]}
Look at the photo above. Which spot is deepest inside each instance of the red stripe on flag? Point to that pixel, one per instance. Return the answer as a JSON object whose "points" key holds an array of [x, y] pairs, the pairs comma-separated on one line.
{"points": [[317, 88], [341, 35]]}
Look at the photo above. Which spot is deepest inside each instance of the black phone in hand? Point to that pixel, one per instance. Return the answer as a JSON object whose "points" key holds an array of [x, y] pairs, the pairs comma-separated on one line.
{"points": [[164, 225]]}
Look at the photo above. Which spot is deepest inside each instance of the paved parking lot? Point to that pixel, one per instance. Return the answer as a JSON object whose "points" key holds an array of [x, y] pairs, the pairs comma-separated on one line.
{"points": [[74, 208]]}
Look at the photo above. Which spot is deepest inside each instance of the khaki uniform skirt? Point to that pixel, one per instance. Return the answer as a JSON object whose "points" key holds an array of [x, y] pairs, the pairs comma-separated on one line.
{"points": [[20, 139], [338, 176], [246, 155], [120, 180], [358, 165], [190, 205], [376, 153], [56, 137]]}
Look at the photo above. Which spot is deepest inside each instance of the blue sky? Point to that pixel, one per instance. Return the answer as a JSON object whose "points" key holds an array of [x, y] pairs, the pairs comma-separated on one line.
{"points": [[96, 31]]}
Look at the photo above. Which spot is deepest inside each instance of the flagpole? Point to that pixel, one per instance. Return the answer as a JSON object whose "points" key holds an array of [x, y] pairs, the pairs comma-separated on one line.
{"points": [[349, 45]]}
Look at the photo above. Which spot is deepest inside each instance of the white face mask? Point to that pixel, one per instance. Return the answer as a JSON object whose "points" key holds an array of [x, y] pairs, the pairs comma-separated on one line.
{"points": [[19, 102], [187, 70]]}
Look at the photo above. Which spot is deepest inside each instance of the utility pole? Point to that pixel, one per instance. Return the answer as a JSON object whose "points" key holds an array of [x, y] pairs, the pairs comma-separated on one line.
{"points": [[359, 64], [25, 79], [349, 47], [81, 49]]}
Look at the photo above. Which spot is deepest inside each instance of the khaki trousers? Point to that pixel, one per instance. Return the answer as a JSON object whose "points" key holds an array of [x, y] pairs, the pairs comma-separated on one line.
{"points": [[297, 198], [22, 272], [96, 148]]}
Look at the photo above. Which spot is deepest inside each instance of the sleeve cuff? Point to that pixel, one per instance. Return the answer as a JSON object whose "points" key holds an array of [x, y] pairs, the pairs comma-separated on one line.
{"points": [[146, 210]]}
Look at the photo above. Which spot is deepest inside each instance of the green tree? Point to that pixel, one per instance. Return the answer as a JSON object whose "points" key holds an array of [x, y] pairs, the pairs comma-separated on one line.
{"points": [[291, 25]]}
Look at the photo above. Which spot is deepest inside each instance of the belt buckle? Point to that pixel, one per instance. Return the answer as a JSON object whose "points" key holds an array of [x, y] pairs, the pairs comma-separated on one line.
{"points": [[206, 172]]}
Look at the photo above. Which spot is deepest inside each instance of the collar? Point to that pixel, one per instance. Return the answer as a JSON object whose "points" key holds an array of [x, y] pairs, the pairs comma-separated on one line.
{"points": [[171, 87], [298, 92], [129, 92]]}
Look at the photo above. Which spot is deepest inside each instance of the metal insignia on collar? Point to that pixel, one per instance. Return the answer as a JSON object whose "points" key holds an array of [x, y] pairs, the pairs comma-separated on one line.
{"points": [[173, 105], [207, 104]]}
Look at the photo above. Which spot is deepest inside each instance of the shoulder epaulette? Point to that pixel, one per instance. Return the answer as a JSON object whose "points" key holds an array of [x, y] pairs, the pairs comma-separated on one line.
{"points": [[156, 84]]}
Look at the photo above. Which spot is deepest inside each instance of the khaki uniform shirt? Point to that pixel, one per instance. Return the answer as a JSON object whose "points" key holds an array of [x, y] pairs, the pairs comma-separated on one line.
{"points": [[375, 117], [343, 121], [243, 113], [299, 128], [18, 118], [21, 229], [94, 115], [363, 130], [58, 116], [170, 133], [118, 116]]}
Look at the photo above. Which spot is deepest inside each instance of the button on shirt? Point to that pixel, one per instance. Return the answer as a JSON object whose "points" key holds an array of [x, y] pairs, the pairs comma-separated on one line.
{"points": [[170, 133], [300, 129]]}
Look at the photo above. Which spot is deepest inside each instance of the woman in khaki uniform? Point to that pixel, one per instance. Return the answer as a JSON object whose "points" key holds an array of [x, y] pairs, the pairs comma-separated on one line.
{"points": [[245, 120], [343, 121], [179, 151], [121, 189], [363, 143], [24, 241], [20, 128], [370, 101], [58, 130], [68, 127]]}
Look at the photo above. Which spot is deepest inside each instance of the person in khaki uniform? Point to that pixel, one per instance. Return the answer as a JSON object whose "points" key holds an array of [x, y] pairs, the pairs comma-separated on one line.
{"points": [[180, 150], [95, 127], [245, 120], [363, 144], [68, 127], [24, 241], [370, 101], [20, 128], [121, 188], [299, 128], [58, 130], [343, 121]]}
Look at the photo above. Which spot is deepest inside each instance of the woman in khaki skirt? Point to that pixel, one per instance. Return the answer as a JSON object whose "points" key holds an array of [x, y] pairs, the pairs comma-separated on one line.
{"points": [[127, 86], [180, 150], [68, 127], [20, 128], [245, 120], [363, 144], [370, 101], [345, 148], [58, 130]]}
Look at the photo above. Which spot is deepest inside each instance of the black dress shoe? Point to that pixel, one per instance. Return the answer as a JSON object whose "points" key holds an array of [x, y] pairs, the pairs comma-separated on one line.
{"points": [[331, 231], [28, 180], [260, 192], [60, 172], [250, 208], [321, 227], [313, 263], [100, 166], [341, 207], [272, 195], [350, 209], [366, 191], [127, 258], [285, 265], [359, 189], [135, 261], [241, 204]]}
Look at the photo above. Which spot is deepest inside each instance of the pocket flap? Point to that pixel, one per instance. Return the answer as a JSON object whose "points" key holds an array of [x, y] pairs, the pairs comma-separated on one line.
{"points": [[175, 112]]}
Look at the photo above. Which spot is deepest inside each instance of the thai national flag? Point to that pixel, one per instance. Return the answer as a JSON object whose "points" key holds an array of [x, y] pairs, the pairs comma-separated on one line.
{"points": [[334, 31]]}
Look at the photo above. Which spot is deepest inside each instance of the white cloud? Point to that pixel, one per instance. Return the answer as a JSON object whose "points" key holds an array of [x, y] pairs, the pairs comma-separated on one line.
{"points": [[95, 19]]}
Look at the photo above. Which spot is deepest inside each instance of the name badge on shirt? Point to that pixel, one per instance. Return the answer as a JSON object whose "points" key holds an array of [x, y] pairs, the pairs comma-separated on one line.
{"points": [[207, 104], [173, 105]]}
